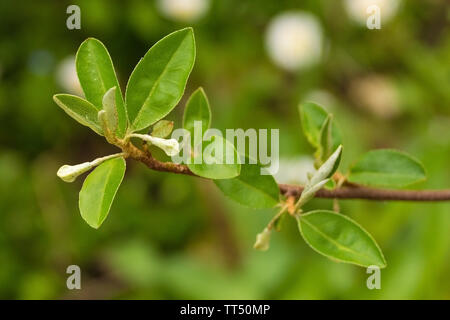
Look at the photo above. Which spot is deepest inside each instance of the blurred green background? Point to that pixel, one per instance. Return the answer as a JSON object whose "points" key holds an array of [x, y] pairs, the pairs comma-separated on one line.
{"points": [[177, 237]]}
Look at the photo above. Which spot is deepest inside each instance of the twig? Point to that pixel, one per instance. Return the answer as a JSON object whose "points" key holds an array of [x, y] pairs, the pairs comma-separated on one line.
{"points": [[360, 192], [351, 191]]}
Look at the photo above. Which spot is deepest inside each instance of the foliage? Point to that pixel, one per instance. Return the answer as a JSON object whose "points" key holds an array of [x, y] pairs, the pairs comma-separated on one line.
{"points": [[155, 87], [171, 236]]}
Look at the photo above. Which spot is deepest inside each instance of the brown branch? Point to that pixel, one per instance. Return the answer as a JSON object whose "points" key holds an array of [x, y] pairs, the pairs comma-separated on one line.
{"points": [[350, 191], [360, 192]]}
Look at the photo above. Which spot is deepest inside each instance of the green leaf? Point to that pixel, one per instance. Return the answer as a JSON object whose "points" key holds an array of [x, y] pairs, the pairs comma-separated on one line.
{"points": [[197, 109], [387, 168], [313, 118], [158, 81], [250, 188], [109, 105], [330, 185], [211, 161], [326, 139], [340, 238], [81, 110], [162, 129], [99, 190], [96, 74], [327, 169]]}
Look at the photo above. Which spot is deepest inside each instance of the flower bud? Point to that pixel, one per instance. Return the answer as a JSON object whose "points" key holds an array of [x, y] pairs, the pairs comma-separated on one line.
{"points": [[171, 146], [70, 173], [262, 240]]}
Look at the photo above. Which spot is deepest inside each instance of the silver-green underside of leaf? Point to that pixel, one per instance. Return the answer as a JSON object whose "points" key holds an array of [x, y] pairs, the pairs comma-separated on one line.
{"points": [[340, 238]]}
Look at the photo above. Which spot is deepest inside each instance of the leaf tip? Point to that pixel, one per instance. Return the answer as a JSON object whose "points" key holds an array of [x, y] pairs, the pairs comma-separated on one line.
{"points": [[189, 29], [56, 97]]}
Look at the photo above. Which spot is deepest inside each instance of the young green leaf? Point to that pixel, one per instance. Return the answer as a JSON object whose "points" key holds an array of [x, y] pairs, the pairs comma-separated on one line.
{"points": [[211, 162], [387, 168], [326, 140], [99, 190], [81, 110], [197, 109], [159, 79], [327, 169], [250, 188], [340, 238], [96, 74], [109, 105], [320, 178], [310, 191], [162, 129], [313, 118]]}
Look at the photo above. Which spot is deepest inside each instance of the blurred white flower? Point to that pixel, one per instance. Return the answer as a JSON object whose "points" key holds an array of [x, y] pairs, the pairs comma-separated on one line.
{"points": [[295, 170], [357, 9], [183, 10], [66, 76], [322, 97], [377, 94], [294, 40]]}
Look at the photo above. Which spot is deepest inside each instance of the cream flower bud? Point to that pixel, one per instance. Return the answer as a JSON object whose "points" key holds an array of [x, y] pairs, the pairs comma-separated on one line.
{"points": [[262, 240], [70, 173], [170, 146]]}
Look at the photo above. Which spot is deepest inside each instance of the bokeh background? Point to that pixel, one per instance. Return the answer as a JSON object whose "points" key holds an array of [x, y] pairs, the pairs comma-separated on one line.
{"points": [[177, 237]]}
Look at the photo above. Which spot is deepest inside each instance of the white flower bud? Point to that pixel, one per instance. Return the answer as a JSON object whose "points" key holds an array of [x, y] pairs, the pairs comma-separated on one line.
{"points": [[70, 173], [262, 240], [170, 146]]}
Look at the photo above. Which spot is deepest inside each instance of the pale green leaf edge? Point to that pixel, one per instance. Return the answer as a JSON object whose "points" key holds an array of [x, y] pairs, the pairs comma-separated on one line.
{"points": [[186, 109], [81, 120]]}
